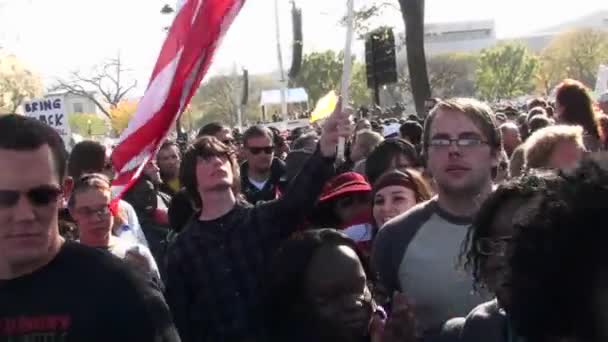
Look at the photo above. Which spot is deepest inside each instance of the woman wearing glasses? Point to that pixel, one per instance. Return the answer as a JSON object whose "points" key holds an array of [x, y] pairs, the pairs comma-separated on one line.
{"points": [[89, 205], [486, 253]]}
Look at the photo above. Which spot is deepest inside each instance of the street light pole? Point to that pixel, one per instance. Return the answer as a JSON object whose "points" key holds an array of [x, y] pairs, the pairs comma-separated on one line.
{"points": [[280, 57], [89, 128]]}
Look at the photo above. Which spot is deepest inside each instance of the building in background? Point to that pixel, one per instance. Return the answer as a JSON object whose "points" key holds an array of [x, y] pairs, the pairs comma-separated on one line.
{"points": [[474, 36], [74, 103]]}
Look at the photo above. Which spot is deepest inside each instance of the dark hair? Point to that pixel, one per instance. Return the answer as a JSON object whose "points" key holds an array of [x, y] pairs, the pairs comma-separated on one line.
{"points": [[558, 257], [256, 132], [411, 130], [577, 106], [86, 157], [89, 181], [277, 138], [167, 144], [537, 102], [203, 147], [522, 122], [212, 129], [408, 178], [537, 123], [306, 141], [478, 112], [380, 159], [536, 111], [286, 280], [180, 210], [25, 134], [524, 187]]}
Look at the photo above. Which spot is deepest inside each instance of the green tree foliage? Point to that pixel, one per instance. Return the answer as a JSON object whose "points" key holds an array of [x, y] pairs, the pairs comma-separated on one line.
{"points": [[452, 74], [17, 84], [322, 72], [218, 98], [88, 124], [505, 71], [573, 54]]}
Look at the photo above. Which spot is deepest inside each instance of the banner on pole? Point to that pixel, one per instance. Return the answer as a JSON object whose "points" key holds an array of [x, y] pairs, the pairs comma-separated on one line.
{"points": [[185, 57]]}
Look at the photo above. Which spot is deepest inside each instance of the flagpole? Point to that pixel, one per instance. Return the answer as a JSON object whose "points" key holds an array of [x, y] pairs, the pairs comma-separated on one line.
{"points": [[346, 71], [280, 58]]}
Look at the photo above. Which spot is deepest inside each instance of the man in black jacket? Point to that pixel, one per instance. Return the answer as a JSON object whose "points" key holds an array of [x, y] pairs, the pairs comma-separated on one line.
{"points": [[216, 264], [262, 175]]}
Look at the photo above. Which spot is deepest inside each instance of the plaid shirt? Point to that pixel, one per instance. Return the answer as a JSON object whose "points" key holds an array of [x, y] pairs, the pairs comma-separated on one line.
{"points": [[215, 267]]}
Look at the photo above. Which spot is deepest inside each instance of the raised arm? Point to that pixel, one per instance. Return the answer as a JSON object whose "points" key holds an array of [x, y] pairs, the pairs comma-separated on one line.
{"points": [[285, 214]]}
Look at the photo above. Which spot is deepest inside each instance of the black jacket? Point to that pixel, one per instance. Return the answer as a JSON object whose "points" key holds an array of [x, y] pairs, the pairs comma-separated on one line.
{"points": [[273, 188], [216, 268]]}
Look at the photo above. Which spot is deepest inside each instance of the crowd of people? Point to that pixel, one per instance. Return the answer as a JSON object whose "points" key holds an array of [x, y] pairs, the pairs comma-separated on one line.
{"points": [[471, 224]]}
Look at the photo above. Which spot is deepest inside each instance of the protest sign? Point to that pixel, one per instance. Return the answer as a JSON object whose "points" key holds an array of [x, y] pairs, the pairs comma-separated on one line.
{"points": [[51, 111]]}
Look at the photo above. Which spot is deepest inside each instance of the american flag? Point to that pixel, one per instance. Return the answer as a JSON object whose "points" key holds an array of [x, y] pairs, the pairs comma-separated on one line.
{"points": [[186, 55]]}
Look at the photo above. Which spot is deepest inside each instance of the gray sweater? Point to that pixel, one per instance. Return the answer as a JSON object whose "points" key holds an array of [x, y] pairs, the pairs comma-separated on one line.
{"points": [[417, 253]]}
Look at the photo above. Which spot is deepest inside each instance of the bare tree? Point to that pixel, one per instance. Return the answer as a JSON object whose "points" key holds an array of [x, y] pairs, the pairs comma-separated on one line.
{"points": [[107, 80]]}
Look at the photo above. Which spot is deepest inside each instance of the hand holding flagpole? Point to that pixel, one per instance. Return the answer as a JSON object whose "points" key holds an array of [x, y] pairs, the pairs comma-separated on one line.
{"points": [[346, 71]]}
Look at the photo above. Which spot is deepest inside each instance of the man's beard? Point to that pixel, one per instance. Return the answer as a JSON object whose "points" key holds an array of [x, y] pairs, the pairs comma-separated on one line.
{"points": [[171, 174]]}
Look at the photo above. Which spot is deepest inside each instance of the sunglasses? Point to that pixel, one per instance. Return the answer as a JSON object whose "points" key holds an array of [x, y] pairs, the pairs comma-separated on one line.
{"points": [[258, 150], [38, 196]]}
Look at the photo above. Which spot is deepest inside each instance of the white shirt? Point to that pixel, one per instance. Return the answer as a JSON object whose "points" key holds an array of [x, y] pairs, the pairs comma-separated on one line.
{"points": [[259, 185]]}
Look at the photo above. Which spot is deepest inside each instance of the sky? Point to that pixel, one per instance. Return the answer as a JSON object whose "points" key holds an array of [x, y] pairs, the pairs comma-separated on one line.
{"points": [[54, 37]]}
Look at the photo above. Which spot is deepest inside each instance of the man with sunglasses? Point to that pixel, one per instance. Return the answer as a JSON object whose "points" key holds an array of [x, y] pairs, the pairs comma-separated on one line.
{"points": [[418, 252], [50, 289], [262, 175]]}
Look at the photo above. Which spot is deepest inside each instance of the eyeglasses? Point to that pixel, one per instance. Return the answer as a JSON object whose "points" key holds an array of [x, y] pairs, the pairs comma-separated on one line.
{"points": [[102, 212], [258, 150], [38, 196], [460, 142], [494, 246], [228, 142]]}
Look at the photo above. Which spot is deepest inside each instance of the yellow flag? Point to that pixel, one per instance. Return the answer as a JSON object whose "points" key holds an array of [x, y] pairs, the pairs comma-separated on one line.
{"points": [[325, 106]]}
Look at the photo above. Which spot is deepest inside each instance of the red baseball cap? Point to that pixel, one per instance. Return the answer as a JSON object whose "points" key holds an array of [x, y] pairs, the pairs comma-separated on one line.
{"points": [[344, 184]]}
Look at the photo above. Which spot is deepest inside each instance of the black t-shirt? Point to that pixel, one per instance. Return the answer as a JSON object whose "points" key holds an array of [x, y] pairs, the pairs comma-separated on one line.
{"points": [[83, 295]]}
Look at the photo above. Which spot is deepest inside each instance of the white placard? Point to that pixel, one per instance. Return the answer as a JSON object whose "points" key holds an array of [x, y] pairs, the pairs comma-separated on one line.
{"points": [[51, 111]]}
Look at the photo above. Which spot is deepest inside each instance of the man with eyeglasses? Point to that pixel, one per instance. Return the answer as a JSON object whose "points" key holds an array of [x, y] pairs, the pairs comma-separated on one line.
{"points": [[418, 252], [50, 289], [262, 175]]}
